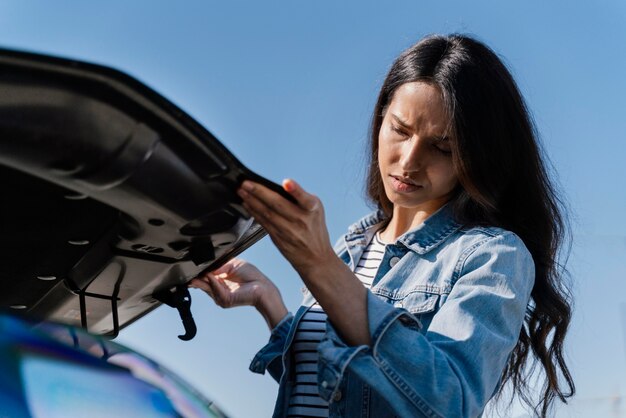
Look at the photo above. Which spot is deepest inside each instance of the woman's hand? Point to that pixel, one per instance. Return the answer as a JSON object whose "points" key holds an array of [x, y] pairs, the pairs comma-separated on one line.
{"points": [[297, 229], [239, 283]]}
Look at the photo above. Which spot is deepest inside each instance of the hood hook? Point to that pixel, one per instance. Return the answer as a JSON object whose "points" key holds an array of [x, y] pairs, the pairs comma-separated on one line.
{"points": [[178, 297]]}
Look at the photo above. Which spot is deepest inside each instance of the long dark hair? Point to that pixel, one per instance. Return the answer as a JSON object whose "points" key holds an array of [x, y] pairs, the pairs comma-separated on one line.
{"points": [[503, 182]]}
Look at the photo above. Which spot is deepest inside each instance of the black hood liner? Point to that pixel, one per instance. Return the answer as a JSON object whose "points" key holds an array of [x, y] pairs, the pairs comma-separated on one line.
{"points": [[108, 189]]}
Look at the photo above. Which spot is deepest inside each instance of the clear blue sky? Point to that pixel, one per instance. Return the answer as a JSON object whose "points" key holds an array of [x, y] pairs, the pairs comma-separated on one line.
{"points": [[288, 87]]}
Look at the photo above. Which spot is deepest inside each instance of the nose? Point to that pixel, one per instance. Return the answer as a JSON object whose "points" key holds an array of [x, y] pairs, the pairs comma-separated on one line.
{"points": [[412, 158]]}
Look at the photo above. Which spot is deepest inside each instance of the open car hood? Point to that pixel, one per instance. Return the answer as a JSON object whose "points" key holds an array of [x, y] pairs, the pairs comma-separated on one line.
{"points": [[110, 193]]}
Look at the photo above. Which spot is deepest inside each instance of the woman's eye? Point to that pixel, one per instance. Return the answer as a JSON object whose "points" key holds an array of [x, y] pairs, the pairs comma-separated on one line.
{"points": [[442, 145], [443, 148], [398, 130]]}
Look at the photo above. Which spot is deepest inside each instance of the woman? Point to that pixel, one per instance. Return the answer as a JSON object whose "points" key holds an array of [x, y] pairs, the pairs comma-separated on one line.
{"points": [[429, 306]]}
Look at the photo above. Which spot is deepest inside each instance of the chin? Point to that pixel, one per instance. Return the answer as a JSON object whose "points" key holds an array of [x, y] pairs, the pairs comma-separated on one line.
{"points": [[403, 202], [423, 204]]}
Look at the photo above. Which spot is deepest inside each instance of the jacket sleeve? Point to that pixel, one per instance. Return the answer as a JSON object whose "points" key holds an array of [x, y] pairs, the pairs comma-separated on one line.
{"points": [[270, 356], [452, 369]]}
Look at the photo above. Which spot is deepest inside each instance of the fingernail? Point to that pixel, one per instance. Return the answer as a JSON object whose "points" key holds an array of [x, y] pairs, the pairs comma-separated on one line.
{"points": [[288, 185], [247, 185], [242, 193]]}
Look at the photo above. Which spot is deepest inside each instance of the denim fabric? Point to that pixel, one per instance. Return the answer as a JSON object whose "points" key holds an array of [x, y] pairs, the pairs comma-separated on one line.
{"points": [[445, 311]]}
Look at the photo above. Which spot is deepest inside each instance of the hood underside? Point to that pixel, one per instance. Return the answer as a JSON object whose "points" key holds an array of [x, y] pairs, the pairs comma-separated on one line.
{"points": [[109, 193]]}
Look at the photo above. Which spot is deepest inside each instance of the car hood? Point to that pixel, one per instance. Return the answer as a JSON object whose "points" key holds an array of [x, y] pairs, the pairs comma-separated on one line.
{"points": [[110, 193]]}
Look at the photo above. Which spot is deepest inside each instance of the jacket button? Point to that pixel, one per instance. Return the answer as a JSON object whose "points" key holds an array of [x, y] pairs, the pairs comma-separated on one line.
{"points": [[337, 396], [394, 261]]}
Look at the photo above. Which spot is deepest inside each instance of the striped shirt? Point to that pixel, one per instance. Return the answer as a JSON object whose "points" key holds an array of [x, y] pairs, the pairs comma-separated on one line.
{"points": [[305, 400]]}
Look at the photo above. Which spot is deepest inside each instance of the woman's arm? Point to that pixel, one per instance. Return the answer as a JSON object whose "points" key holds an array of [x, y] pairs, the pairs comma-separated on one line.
{"points": [[299, 232], [452, 369]]}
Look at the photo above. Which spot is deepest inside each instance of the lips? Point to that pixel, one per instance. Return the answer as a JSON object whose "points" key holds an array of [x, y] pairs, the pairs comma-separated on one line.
{"points": [[404, 185]]}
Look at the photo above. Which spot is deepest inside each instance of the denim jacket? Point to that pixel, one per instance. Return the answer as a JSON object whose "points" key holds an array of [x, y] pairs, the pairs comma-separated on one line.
{"points": [[445, 311]]}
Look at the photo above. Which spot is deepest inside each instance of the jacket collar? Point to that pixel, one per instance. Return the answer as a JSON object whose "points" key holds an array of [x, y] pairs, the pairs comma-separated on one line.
{"points": [[366, 222], [425, 237]]}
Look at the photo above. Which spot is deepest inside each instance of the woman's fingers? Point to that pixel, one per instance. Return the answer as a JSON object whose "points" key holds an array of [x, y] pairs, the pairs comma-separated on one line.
{"points": [[219, 294], [305, 200], [215, 287], [202, 284], [272, 210], [271, 220], [274, 224], [267, 201], [228, 267]]}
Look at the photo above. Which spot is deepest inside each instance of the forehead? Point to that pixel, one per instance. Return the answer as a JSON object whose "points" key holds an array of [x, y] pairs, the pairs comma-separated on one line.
{"points": [[420, 105]]}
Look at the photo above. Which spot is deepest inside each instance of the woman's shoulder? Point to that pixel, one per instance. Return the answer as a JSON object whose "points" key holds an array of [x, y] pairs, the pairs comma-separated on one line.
{"points": [[481, 234], [486, 241]]}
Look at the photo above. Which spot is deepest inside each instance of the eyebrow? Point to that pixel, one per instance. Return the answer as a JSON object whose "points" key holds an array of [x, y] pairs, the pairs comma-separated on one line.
{"points": [[400, 121], [405, 125]]}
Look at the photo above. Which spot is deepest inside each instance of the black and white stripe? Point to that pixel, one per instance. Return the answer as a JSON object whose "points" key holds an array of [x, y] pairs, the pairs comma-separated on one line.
{"points": [[305, 400], [368, 264]]}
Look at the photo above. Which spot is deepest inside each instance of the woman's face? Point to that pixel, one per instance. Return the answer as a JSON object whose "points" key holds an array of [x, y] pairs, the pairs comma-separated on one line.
{"points": [[413, 150]]}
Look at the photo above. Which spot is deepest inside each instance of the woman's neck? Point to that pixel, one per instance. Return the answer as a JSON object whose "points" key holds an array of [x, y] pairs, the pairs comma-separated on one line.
{"points": [[405, 219]]}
